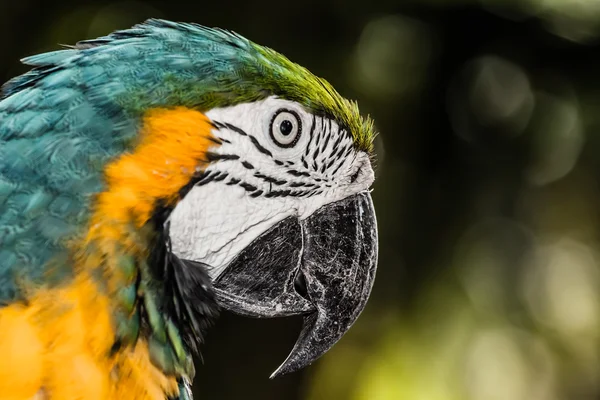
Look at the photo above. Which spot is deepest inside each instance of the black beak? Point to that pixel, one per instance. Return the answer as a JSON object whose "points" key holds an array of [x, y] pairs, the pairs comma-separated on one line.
{"points": [[322, 267]]}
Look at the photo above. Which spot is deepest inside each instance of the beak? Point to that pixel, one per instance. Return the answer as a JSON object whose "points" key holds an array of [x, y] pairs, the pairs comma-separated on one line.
{"points": [[322, 267]]}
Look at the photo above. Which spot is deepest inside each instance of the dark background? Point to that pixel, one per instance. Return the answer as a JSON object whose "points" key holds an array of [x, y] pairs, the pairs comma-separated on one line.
{"points": [[487, 192]]}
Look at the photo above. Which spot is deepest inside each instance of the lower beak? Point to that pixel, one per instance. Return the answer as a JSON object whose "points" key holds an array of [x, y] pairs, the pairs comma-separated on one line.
{"points": [[322, 267]]}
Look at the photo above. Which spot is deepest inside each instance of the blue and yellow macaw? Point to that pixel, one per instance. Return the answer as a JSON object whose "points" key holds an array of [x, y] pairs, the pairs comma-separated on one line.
{"points": [[151, 176]]}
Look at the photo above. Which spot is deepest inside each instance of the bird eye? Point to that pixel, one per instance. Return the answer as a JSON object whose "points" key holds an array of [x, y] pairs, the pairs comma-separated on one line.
{"points": [[285, 128]]}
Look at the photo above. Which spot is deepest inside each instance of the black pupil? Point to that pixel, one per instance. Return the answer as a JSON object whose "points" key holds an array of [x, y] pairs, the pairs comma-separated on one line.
{"points": [[286, 127]]}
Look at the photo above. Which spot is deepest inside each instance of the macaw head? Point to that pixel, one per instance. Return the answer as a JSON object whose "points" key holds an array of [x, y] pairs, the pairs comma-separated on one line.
{"points": [[282, 218], [271, 215]]}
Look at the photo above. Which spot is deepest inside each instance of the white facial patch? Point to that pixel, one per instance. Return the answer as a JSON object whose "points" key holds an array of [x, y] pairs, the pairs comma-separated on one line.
{"points": [[276, 160]]}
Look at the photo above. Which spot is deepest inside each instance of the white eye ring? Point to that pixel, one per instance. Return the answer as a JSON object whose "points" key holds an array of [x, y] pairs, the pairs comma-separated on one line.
{"points": [[285, 128]]}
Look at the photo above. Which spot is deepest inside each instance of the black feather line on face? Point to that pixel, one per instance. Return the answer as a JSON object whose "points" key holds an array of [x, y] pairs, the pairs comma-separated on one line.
{"points": [[304, 163], [203, 177], [317, 151], [337, 142], [326, 142], [311, 135], [270, 179], [297, 173], [211, 157], [337, 168]]}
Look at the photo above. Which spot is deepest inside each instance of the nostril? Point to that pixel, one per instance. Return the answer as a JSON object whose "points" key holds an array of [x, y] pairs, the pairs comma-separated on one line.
{"points": [[354, 176], [300, 285]]}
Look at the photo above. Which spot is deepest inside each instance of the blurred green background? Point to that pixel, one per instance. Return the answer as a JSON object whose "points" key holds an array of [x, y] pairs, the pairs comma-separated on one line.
{"points": [[487, 192]]}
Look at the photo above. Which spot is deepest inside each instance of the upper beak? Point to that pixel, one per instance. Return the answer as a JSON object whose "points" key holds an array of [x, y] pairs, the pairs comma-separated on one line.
{"points": [[322, 267]]}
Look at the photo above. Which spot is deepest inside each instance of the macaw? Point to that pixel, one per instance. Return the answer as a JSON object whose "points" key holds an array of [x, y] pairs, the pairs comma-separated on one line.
{"points": [[149, 178]]}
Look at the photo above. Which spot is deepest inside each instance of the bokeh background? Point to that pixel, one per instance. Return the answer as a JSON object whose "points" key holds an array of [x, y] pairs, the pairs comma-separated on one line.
{"points": [[487, 192]]}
